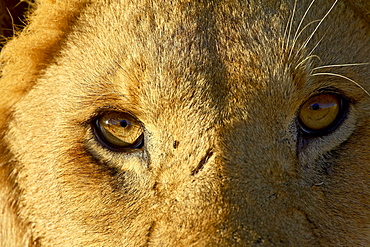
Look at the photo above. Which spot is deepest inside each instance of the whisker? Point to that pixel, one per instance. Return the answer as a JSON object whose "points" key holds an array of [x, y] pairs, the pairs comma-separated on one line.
{"points": [[340, 65], [344, 77], [285, 37], [300, 23], [307, 58], [317, 27], [290, 25], [296, 39], [286, 32], [317, 44], [12, 20], [310, 54]]}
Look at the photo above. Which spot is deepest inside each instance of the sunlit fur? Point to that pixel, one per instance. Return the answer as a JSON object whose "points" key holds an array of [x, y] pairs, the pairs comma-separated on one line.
{"points": [[217, 86]]}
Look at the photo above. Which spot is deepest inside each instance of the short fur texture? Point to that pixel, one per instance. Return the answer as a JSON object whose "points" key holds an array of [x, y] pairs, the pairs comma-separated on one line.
{"points": [[217, 86]]}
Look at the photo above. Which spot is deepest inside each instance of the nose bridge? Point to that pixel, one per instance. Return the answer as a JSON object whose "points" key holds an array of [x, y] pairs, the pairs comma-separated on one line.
{"points": [[188, 188], [258, 157], [235, 148], [221, 188], [185, 152], [257, 143], [230, 149], [223, 170]]}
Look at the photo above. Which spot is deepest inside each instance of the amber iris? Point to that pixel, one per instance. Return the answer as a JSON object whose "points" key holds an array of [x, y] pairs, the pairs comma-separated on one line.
{"points": [[118, 130], [320, 111]]}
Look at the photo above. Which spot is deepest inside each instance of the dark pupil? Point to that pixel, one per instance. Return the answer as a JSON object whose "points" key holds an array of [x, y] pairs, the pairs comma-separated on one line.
{"points": [[124, 123], [315, 106]]}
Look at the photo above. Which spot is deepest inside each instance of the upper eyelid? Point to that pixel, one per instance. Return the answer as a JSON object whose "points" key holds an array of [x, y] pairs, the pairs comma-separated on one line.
{"points": [[322, 90], [106, 109], [330, 90]]}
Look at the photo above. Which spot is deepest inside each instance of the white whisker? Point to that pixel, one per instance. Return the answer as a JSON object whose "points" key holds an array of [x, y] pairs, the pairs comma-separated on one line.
{"points": [[285, 37], [317, 27], [344, 77], [304, 60], [300, 23], [295, 40], [340, 65], [291, 24], [317, 44]]}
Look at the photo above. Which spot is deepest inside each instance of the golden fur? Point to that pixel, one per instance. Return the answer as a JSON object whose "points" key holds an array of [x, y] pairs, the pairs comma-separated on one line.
{"points": [[217, 86]]}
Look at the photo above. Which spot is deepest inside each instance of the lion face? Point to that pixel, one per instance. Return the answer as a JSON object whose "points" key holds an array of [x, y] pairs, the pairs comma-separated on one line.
{"points": [[187, 123]]}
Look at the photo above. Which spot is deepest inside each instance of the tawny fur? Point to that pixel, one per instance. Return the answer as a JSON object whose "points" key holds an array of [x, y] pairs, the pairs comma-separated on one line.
{"points": [[217, 86]]}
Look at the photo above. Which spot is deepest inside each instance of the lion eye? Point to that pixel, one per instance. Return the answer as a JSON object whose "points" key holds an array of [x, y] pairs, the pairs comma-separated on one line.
{"points": [[118, 131], [321, 113]]}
